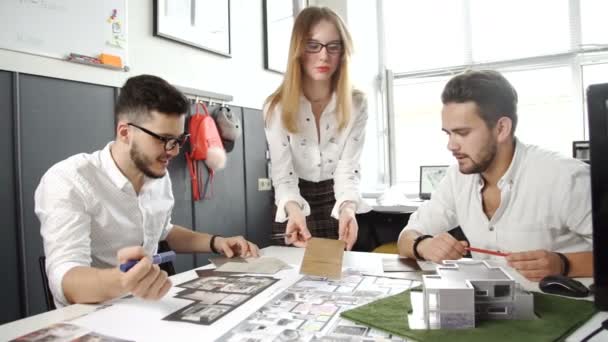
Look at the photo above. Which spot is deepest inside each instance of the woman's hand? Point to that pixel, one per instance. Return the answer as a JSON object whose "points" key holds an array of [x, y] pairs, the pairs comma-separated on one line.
{"points": [[348, 228], [296, 232]]}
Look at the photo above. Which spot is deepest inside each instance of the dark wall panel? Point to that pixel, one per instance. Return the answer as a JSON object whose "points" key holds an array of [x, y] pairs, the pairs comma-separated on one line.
{"points": [[224, 212], [59, 118], [182, 211], [259, 203], [9, 261]]}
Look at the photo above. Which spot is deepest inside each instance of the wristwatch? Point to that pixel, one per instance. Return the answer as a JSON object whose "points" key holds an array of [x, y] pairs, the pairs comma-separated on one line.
{"points": [[415, 246], [565, 264]]}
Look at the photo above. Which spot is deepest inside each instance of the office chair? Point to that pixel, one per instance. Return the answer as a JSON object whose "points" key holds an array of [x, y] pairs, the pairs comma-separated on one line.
{"points": [[48, 295], [168, 267], [163, 246]]}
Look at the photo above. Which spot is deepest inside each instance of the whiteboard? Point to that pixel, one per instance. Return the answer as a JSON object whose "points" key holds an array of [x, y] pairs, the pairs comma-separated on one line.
{"points": [[56, 28]]}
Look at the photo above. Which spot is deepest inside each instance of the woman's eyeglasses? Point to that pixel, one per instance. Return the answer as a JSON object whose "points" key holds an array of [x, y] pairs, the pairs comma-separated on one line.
{"points": [[170, 142], [332, 48]]}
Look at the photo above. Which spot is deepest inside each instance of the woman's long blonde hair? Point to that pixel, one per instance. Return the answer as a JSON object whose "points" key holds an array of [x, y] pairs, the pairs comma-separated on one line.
{"points": [[288, 93]]}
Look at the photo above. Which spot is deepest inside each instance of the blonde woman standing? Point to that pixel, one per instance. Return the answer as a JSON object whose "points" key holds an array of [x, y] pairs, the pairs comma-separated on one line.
{"points": [[315, 127]]}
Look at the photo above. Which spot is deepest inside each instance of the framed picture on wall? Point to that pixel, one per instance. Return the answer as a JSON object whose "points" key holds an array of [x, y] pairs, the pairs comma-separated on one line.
{"points": [[204, 24], [278, 22]]}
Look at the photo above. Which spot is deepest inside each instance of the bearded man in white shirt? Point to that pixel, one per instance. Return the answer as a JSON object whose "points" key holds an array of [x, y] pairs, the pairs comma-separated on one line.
{"points": [[529, 203], [102, 209]]}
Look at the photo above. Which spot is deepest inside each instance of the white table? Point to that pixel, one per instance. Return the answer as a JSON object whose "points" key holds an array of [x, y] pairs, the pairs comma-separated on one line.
{"points": [[141, 312]]}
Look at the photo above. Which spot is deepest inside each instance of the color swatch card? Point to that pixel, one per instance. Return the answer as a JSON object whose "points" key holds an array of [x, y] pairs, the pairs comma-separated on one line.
{"points": [[323, 258], [261, 265]]}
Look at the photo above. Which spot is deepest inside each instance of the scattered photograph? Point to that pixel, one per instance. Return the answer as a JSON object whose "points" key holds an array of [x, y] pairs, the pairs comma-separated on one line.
{"points": [[205, 297], [241, 288], [65, 332], [95, 337], [234, 299], [199, 313], [350, 330], [215, 295]]}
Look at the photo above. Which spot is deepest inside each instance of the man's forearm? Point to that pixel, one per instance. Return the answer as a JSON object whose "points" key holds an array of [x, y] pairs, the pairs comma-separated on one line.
{"points": [[183, 240], [406, 243], [91, 285], [581, 264]]}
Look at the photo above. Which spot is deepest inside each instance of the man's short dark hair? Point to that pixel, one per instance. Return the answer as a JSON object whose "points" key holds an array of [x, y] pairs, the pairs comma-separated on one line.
{"points": [[494, 96], [145, 93]]}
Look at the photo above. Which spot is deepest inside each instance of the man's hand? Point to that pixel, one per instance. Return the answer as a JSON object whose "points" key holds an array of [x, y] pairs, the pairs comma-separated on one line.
{"points": [[296, 232], [535, 265], [442, 247], [236, 246], [144, 280], [348, 227]]}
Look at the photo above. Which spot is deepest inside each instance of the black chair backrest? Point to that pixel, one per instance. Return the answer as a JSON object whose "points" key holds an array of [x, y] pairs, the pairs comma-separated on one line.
{"points": [[48, 296], [163, 246]]}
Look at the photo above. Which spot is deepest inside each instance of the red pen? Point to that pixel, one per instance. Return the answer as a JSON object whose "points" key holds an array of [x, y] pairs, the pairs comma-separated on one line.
{"points": [[486, 251]]}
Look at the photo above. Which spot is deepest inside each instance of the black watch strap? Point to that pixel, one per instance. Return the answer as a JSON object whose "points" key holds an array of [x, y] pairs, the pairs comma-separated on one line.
{"points": [[565, 264], [415, 246], [211, 244]]}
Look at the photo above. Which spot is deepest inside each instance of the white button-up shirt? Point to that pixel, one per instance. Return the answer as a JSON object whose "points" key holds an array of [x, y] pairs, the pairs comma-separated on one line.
{"points": [[333, 154], [88, 210], [545, 203]]}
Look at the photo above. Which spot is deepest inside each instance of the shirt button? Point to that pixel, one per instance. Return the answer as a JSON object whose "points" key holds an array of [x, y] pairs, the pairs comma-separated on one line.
{"points": [[319, 165], [307, 119], [491, 228]]}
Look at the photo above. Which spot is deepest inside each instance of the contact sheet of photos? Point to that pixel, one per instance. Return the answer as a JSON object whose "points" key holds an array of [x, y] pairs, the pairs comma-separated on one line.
{"points": [[309, 311], [216, 295]]}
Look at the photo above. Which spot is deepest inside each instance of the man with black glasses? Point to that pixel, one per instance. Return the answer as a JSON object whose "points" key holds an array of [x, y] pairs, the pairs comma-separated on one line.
{"points": [[103, 209]]}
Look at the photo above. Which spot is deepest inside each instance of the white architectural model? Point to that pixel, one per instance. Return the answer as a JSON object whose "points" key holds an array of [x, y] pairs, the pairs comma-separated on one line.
{"points": [[465, 290]]}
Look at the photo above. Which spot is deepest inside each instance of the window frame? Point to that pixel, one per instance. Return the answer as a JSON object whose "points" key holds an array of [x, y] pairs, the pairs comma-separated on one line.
{"points": [[578, 57]]}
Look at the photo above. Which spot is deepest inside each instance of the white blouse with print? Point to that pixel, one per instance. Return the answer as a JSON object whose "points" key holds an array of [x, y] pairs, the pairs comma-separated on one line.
{"points": [[333, 155]]}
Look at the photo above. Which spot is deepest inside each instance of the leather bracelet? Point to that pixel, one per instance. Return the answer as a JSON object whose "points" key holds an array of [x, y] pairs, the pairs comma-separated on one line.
{"points": [[415, 246], [565, 264], [211, 246]]}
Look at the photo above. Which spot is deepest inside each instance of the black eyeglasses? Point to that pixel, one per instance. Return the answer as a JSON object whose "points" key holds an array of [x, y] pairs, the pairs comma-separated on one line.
{"points": [[332, 48], [170, 142]]}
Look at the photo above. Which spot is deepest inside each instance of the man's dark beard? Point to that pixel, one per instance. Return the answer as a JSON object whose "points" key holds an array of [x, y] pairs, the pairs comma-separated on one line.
{"points": [[142, 163], [483, 164]]}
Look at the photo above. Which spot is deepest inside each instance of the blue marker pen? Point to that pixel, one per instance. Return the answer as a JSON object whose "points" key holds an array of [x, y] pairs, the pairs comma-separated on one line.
{"points": [[156, 259]]}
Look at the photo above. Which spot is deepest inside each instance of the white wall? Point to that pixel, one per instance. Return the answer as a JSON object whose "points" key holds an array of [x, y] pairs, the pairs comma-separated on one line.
{"points": [[242, 76]]}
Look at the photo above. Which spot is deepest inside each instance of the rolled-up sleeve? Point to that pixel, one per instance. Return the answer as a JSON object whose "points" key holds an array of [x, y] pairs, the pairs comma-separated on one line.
{"points": [[347, 176], [437, 215], [284, 178], [65, 229]]}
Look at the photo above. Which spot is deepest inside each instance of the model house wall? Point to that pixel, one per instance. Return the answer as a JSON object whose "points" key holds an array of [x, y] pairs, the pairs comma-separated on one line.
{"points": [[465, 291]]}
